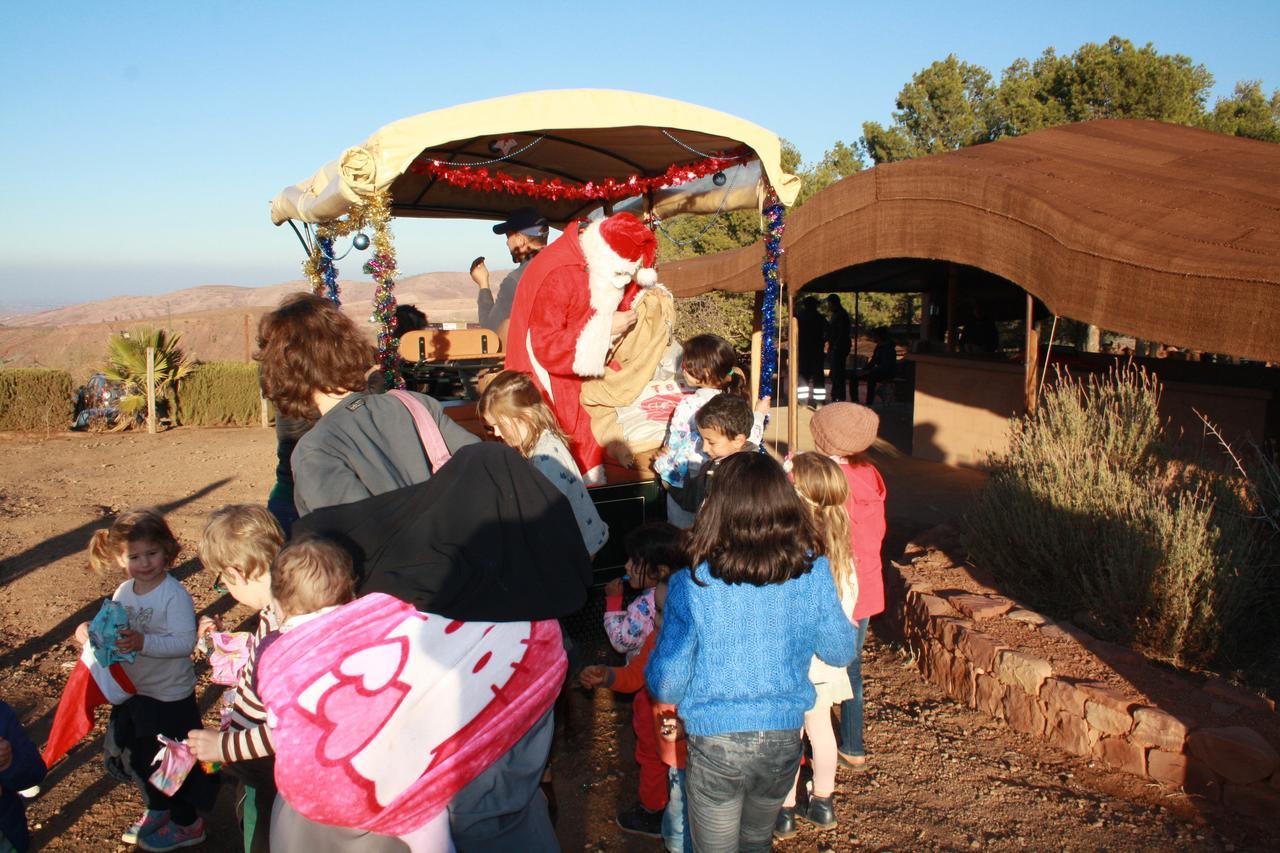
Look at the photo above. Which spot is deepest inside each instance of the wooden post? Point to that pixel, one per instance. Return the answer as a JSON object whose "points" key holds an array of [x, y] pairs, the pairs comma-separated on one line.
{"points": [[151, 390], [757, 344], [793, 374], [952, 286], [265, 410], [1031, 345]]}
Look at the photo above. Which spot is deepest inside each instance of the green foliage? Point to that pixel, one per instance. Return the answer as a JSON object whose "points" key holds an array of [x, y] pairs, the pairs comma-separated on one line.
{"points": [[220, 394], [36, 398], [1090, 511], [952, 104], [127, 364], [1247, 113]]}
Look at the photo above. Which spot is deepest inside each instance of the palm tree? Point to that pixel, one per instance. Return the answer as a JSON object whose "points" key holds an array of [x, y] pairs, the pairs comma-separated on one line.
{"points": [[127, 364]]}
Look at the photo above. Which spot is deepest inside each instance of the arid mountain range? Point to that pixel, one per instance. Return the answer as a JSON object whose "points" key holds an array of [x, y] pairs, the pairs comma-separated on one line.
{"points": [[217, 322]]}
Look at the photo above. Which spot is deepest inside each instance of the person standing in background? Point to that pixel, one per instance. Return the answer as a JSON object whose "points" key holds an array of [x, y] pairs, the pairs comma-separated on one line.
{"points": [[526, 230], [838, 344]]}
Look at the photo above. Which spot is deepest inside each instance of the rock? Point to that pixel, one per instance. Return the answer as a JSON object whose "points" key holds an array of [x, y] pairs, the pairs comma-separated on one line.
{"points": [[1107, 696], [1107, 720], [1060, 695], [1223, 709], [980, 607], [1160, 729], [1070, 733], [924, 605], [979, 648], [988, 695], [1022, 670], [1227, 691], [949, 631], [1258, 800], [1238, 754], [1030, 617], [1023, 714], [1122, 755], [1167, 767], [1053, 632]]}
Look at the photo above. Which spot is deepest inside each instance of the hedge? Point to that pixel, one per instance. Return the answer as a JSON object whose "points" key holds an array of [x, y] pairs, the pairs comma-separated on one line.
{"points": [[36, 398], [220, 394]]}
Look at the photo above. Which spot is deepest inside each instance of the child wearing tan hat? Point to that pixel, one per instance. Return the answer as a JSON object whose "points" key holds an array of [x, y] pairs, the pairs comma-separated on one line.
{"points": [[845, 431]]}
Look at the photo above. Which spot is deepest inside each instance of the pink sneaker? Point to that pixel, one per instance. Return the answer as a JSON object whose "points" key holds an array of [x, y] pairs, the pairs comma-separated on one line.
{"points": [[151, 820], [171, 836]]}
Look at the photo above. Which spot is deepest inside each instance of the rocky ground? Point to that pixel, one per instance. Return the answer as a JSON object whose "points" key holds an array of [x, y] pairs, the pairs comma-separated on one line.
{"points": [[940, 775]]}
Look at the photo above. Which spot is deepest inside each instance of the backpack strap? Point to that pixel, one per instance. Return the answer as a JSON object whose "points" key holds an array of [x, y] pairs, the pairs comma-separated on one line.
{"points": [[428, 429]]}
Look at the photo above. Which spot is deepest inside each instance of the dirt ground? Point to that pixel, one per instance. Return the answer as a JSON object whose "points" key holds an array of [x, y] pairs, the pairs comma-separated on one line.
{"points": [[941, 777]]}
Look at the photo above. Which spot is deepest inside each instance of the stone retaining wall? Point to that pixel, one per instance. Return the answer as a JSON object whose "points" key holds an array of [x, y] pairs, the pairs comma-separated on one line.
{"points": [[1233, 765]]}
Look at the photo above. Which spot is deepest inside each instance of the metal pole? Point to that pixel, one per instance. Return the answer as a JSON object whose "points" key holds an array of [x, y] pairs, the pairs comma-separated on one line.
{"points": [[151, 390]]}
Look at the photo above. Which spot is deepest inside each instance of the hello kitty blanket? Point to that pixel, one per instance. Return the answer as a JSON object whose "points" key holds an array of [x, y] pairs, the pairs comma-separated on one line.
{"points": [[381, 713]]}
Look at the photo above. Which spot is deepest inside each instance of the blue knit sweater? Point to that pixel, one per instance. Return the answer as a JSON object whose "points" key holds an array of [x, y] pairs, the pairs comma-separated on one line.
{"points": [[735, 657]]}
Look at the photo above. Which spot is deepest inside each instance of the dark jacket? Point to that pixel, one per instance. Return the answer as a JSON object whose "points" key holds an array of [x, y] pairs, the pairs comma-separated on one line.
{"points": [[24, 771], [692, 494]]}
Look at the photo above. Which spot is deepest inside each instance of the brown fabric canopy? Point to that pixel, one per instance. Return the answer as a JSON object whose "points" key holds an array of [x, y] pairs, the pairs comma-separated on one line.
{"points": [[1157, 230]]}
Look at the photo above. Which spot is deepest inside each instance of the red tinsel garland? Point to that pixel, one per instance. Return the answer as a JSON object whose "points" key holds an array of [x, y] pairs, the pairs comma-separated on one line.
{"points": [[481, 179]]}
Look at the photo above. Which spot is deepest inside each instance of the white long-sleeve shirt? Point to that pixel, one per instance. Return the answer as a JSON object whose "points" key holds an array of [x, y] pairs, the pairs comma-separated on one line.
{"points": [[167, 619]]}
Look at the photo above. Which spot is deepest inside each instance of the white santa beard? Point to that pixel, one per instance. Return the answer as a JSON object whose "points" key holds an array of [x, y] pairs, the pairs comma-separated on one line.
{"points": [[604, 268]]}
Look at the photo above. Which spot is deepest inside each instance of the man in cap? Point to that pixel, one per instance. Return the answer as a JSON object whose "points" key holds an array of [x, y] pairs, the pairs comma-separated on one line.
{"points": [[526, 231]]}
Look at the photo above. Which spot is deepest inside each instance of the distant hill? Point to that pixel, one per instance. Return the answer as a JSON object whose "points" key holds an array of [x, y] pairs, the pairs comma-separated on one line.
{"points": [[210, 318]]}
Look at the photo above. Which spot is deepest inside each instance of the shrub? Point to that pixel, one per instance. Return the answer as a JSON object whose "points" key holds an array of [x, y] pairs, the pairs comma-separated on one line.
{"points": [[127, 364], [728, 315], [36, 398], [1090, 511], [220, 394]]}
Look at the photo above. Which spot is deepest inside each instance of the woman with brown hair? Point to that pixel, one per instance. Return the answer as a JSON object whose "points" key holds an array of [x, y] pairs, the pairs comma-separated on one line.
{"points": [[313, 364]]}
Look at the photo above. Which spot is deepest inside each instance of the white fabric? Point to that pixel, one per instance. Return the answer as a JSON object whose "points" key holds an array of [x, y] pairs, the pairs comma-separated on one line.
{"points": [[163, 668]]}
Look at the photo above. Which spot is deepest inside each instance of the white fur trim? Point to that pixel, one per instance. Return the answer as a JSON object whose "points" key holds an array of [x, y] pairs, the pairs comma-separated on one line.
{"points": [[647, 277], [607, 274], [538, 370]]}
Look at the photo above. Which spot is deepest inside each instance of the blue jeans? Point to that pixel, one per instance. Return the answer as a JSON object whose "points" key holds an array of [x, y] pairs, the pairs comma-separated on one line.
{"points": [[735, 785], [851, 709], [675, 820]]}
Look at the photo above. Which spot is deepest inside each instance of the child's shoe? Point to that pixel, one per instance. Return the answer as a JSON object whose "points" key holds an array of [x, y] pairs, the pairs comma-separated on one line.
{"points": [[821, 813], [640, 821], [171, 836], [151, 820], [785, 826]]}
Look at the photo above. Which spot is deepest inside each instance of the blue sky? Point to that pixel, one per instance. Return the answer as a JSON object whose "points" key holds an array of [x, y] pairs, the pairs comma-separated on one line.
{"points": [[143, 141]]}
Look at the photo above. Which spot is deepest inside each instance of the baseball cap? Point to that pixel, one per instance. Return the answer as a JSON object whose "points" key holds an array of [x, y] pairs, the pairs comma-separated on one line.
{"points": [[522, 219]]}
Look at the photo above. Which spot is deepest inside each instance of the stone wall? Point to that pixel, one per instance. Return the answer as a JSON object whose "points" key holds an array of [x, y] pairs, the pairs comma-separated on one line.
{"points": [[1233, 765]]}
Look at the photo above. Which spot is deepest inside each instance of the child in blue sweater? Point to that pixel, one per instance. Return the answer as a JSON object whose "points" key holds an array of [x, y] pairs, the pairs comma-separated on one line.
{"points": [[20, 768], [739, 631]]}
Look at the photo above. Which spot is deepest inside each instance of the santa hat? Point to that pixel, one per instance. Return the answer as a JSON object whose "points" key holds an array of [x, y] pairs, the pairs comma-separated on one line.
{"points": [[90, 684], [634, 244]]}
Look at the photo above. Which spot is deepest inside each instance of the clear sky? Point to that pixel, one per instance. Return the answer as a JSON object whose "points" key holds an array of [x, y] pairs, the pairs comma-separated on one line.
{"points": [[144, 140]]}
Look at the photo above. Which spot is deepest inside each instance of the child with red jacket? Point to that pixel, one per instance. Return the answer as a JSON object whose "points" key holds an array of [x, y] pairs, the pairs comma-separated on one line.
{"points": [[845, 431]]}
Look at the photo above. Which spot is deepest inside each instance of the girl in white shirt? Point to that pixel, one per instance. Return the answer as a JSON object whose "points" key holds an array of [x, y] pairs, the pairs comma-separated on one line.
{"points": [[162, 634]]}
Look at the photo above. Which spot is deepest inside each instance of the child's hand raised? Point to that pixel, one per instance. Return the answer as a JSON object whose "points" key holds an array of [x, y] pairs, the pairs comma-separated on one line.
{"points": [[130, 641], [205, 744], [763, 406], [592, 677], [613, 587], [82, 633], [208, 624]]}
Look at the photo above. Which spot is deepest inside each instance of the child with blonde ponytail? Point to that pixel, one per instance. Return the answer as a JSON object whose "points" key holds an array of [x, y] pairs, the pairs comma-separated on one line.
{"points": [[823, 489]]}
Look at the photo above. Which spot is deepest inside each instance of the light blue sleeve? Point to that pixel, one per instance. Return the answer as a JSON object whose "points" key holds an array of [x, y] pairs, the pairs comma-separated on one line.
{"points": [[835, 641], [670, 668]]}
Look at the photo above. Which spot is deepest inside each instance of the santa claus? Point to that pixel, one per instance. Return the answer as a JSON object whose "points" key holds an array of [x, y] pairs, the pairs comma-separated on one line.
{"points": [[571, 307]]}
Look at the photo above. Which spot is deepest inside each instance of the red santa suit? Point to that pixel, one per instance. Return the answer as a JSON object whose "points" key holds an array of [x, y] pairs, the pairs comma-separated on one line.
{"points": [[560, 331]]}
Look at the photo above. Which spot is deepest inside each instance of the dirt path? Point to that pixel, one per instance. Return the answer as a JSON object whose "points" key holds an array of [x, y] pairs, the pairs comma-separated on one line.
{"points": [[941, 776]]}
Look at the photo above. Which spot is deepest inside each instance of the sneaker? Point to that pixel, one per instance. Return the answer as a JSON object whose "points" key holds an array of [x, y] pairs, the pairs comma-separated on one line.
{"points": [[151, 820], [640, 821], [171, 836], [785, 826], [821, 813]]}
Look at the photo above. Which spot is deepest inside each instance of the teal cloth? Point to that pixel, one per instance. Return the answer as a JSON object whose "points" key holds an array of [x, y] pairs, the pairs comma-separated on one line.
{"points": [[104, 631]]}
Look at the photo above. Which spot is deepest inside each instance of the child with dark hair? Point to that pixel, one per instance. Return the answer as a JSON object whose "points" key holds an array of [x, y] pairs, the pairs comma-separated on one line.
{"points": [[20, 768], [710, 366], [739, 630], [724, 423], [653, 551]]}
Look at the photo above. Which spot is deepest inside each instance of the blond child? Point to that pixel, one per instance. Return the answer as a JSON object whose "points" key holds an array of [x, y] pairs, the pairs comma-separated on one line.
{"points": [[162, 631], [515, 413], [822, 487]]}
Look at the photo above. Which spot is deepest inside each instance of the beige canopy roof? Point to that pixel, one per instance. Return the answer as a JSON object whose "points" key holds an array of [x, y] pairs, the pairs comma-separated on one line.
{"points": [[577, 135], [1157, 230]]}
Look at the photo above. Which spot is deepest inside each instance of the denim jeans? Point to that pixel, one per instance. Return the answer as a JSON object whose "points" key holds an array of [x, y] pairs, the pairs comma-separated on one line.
{"points": [[851, 710], [735, 785], [675, 819]]}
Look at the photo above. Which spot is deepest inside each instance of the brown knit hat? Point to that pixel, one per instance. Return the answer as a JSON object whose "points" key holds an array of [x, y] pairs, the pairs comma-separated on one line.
{"points": [[843, 429]]}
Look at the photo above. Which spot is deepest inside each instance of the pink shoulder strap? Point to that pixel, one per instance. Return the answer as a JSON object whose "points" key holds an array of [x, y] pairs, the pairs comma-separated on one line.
{"points": [[428, 429]]}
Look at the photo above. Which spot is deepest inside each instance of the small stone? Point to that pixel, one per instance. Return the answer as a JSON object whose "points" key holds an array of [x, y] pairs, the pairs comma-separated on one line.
{"points": [[980, 607], [1238, 754], [1030, 617], [1153, 727], [1022, 670], [1122, 755]]}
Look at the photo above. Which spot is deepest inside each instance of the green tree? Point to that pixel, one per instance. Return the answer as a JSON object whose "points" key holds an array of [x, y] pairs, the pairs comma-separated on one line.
{"points": [[1247, 112], [127, 364], [950, 104]]}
